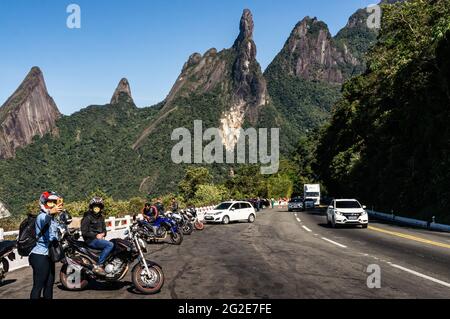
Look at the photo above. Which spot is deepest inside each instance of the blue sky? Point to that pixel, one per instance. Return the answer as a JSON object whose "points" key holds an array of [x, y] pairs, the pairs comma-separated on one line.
{"points": [[146, 41]]}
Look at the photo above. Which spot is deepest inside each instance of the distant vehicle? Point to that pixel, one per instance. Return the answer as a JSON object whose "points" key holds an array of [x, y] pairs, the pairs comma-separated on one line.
{"points": [[347, 212], [295, 204], [309, 203], [312, 191], [231, 212]]}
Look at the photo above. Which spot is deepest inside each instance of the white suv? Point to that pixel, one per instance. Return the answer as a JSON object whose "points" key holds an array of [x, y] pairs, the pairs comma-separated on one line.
{"points": [[347, 212], [230, 212]]}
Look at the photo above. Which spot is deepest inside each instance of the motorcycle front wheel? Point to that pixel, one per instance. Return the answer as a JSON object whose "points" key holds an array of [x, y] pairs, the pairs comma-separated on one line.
{"points": [[176, 238], [187, 229], [199, 225], [147, 284], [72, 281]]}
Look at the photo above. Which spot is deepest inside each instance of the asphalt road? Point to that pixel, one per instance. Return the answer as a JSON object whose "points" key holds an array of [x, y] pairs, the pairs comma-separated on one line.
{"points": [[285, 255]]}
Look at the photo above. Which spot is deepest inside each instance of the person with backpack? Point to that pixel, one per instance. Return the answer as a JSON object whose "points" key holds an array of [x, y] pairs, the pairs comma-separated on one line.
{"points": [[93, 229], [46, 230]]}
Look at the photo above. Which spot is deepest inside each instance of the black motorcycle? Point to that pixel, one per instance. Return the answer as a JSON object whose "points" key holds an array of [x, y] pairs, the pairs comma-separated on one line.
{"points": [[79, 262], [184, 223], [6, 252]]}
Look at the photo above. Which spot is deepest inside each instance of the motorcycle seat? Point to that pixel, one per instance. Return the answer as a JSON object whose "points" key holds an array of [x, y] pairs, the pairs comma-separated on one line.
{"points": [[83, 244], [6, 246]]}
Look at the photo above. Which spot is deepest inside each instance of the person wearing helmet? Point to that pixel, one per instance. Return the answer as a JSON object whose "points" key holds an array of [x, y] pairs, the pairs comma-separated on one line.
{"points": [[93, 229], [46, 228]]}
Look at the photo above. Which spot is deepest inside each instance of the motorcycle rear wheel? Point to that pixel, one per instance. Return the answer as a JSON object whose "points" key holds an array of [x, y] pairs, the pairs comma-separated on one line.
{"points": [[5, 268], [145, 285], [64, 278]]}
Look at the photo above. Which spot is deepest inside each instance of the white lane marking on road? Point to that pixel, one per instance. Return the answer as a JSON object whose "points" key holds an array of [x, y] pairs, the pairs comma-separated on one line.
{"points": [[307, 229], [334, 243], [418, 274], [298, 219]]}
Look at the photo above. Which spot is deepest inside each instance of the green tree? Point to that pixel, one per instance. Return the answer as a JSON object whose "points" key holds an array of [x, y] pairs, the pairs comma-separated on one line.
{"points": [[193, 178]]}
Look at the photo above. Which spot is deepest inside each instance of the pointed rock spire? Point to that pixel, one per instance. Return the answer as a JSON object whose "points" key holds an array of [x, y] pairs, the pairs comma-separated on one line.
{"points": [[30, 111], [246, 28], [122, 91]]}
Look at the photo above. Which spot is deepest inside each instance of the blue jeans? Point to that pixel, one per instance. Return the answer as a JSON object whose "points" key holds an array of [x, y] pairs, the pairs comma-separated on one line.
{"points": [[105, 246]]}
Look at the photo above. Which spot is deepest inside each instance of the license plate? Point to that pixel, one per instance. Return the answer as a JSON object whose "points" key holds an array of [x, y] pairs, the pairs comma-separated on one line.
{"points": [[353, 218], [209, 218]]}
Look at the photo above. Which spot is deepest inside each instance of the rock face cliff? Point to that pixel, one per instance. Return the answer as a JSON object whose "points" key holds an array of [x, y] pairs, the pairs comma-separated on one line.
{"points": [[29, 112], [122, 93], [312, 54], [232, 74]]}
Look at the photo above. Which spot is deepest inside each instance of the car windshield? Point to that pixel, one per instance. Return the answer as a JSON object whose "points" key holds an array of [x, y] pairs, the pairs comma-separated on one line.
{"points": [[312, 194], [348, 204], [223, 206]]}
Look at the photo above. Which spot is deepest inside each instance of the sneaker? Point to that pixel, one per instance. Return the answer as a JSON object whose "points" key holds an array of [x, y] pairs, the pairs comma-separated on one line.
{"points": [[98, 270]]}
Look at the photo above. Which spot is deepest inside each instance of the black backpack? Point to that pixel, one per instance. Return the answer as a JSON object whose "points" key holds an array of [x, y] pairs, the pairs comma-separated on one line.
{"points": [[27, 236]]}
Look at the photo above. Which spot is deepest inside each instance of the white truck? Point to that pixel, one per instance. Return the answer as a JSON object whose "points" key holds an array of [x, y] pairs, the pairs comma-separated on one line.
{"points": [[312, 191]]}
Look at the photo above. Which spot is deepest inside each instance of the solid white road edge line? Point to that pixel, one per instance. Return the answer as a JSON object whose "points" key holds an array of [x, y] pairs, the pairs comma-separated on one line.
{"points": [[418, 274], [307, 229], [334, 243]]}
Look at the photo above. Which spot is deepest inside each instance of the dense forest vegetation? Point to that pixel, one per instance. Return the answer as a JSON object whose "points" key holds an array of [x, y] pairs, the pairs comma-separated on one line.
{"points": [[388, 141]]}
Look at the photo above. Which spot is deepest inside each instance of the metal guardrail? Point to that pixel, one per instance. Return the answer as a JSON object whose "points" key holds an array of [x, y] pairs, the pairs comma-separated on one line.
{"points": [[409, 221]]}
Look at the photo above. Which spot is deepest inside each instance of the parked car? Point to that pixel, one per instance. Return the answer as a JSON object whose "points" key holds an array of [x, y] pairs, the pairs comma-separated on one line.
{"points": [[347, 212], [296, 204], [231, 212], [309, 203]]}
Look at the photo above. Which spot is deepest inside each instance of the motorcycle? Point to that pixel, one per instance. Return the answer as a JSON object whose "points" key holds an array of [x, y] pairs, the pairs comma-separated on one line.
{"points": [[183, 222], [165, 226], [6, 252], [191, 214], [80, 259]]}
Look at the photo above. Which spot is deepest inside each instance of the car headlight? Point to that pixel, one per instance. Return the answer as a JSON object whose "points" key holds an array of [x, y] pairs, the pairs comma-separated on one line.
{"points": [[338, 213]]}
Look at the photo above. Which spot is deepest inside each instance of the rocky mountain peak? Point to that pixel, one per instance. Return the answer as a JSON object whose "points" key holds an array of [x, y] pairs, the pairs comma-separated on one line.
{"points": [[122, 92], [312, 54], [30, 111], [246, 28], [232, 73]]}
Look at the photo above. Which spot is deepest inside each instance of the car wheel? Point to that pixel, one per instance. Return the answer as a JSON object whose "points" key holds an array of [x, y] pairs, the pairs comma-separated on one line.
{"points": [[251, 218], [226, 220], [333, 223]]}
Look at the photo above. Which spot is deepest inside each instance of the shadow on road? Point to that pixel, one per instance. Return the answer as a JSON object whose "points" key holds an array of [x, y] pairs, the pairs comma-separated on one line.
{"points": [[103, 286], [340, 227], [7, 282]]}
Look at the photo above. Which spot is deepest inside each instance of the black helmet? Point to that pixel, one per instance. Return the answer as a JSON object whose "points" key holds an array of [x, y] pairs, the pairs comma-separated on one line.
{"points": [[65, 217], [96, 201]]}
